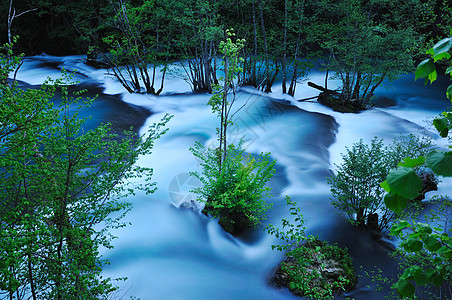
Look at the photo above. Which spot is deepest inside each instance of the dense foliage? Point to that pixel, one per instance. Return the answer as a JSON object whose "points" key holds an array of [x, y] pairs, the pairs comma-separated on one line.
{"points": [[235, 192], [312, 268], [63, 189], [355, 185], [426, 258], [431, 244], [364, 42]]}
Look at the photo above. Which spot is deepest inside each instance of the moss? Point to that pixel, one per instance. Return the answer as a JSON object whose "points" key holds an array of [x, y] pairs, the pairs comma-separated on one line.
{"points": [[317, 270]]}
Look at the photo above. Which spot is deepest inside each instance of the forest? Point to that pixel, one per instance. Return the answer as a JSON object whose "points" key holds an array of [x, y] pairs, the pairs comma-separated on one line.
{"points": [[281, 37], [66, 188]]}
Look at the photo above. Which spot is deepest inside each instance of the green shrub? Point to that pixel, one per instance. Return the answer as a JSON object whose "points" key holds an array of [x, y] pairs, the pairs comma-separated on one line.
{"points": [[63, 188], [355, 186], [427, 257], [431, 244], [312, 268], [233, 192], [318, 270]]}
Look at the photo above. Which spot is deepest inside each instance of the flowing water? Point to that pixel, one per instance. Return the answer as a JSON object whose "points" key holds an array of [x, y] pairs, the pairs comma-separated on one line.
{"points": [[170, 250]]}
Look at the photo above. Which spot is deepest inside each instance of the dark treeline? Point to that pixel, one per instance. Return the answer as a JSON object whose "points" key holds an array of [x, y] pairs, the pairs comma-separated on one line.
{"points": [[363, 41]]}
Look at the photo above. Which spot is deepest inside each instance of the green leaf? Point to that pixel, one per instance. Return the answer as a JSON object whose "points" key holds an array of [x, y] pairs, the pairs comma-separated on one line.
{"points": [[440, 50], [413, 245], [440, 162], [441, 124], [405, 288], [437, 278], [425, 228], [441, 56], [446, 252], [449, 92], [432, 76], [429, 272], [432, 243], [395, 203], [448, 70], [412, 162], [424, 69], [385, 186], [404, 182], [420, 277], [397, 228]]}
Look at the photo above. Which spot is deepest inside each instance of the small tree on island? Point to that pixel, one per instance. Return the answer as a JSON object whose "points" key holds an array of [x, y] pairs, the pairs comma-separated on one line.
{"points": [[233, 183], [312, 268], [355, 184], [365, 46]]}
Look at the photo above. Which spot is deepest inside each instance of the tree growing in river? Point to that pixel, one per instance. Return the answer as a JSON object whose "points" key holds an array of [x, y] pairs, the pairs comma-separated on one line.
{"points": [[312, 268], [233, 183], [138, 51], [364, 46], [355, 185], [63, 189]]}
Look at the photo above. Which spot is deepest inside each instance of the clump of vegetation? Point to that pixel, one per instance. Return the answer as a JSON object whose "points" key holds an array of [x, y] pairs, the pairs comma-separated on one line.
{"points": [[426, 257], [317, 270], [426, 286], [428, 244], [312, 268], [62, 190], [233, 183], [234, 193], [355, 186]]}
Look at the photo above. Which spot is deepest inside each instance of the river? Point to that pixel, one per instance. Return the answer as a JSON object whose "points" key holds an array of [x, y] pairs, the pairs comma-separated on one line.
{"points": [[171, 251]]}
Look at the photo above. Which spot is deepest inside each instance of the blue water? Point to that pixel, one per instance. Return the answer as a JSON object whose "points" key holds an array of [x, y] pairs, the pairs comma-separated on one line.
{"points": [[171, 252]]}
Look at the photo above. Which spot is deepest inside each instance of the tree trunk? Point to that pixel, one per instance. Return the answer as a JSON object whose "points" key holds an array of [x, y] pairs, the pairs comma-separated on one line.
{"points": [[266, 86], [355, 94], [326, 79], [346, 88], [366, 99], [224, 119], [284, 62], [30, 278], [11, 16], [254, 61], [293, 82]]}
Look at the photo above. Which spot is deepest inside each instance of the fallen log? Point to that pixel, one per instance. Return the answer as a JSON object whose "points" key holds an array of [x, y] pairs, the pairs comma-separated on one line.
{"points": [[321, 88], [306, 99]]}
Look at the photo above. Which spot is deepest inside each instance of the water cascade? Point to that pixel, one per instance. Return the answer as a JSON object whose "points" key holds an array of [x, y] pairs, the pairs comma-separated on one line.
{"points": [[170, 250]]}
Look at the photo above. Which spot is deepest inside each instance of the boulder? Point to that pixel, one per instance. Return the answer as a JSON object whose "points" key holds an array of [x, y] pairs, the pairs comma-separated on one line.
{"points": [[318, 268]]}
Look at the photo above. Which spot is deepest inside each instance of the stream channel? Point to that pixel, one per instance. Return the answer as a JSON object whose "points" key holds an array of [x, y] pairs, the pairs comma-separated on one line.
{"points": [[170, 250]]}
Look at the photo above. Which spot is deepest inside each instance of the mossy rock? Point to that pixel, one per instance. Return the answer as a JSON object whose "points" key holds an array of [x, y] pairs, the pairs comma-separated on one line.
{"points": [[334, 103], [316, 270], [233, 222]]}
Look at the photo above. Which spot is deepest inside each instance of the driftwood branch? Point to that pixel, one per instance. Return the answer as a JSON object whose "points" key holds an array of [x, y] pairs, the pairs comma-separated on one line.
{"points": [[306, 99], [321, 88], [324, 90]]}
